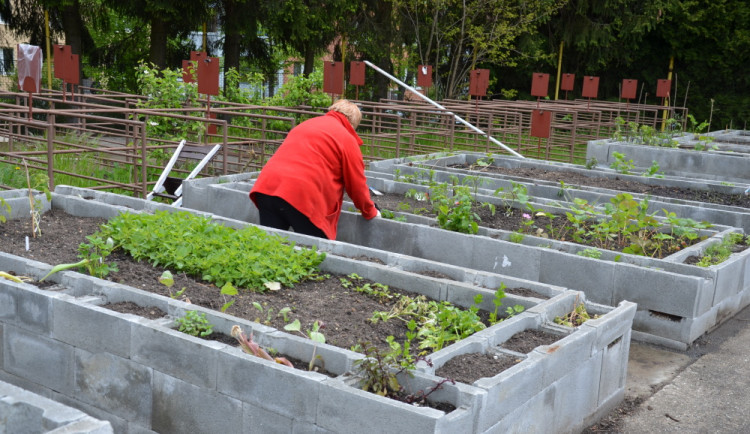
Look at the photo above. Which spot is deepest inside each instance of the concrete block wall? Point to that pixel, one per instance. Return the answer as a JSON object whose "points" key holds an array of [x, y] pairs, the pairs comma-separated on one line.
{"points": [[143, 376], [717, 166], [18, 201], [24, 412]]}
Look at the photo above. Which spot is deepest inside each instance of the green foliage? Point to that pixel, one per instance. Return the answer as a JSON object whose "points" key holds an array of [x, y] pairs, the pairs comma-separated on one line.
{"points": [[164, 89], [590, 253], [433, 324], [574, 318], [249, 257], [195, 324], [653, 170], [93, 255], [6, 206], [313, 333], [719, 252], [454, 212], [302, 91], [621, 165]]}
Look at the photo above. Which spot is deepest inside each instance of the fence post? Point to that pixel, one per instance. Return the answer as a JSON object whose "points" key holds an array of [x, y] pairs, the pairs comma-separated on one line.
{"points": [[51, 151], [144, 162]]}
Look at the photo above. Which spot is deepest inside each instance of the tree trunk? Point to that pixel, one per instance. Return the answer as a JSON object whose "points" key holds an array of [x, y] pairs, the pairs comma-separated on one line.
{"points": [[309, 61], [158, 51]]}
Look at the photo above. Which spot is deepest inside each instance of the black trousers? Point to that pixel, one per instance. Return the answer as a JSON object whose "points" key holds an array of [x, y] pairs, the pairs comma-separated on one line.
{"points": [[276, 213]]}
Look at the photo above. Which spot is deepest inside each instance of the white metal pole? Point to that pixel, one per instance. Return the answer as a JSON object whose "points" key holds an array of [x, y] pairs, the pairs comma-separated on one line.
{"points": [[458, 118]]}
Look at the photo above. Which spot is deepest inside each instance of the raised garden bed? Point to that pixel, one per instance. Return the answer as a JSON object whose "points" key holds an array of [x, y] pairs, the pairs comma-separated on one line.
{"points": [[677, 302], [63, 340]]}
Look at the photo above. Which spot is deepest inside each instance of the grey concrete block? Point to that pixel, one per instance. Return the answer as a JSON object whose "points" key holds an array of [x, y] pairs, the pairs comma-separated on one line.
{"points": [[34, 311], [510, 390], [730, 276], [344, 408], [576, 395], [249, 378], [35, 357], [22, 411], [8, 296], [176, 354], [592, 276], [115, 384], [182, 407], [256, 419], [614, 369], [661, 291], [89, 327]]}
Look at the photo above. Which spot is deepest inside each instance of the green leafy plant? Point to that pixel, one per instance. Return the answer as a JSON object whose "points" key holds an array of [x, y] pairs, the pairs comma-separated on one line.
{"points": [[621, 165], [194, 324], [719, 252], [93, 255], [590, 253], [380, 371], [591, 163], [454, 212], [7, 208], [653, 170], [575, 317], [184, 242], [167, 279], [314, 334], [516, 237]]}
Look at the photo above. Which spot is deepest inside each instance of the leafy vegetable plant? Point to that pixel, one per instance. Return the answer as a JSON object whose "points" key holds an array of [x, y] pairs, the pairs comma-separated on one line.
{"points": [[181, 241], [195, 324]]}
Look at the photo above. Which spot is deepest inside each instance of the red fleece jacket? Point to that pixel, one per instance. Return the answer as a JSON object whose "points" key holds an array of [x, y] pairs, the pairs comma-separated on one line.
{"points": [[318, 160]]}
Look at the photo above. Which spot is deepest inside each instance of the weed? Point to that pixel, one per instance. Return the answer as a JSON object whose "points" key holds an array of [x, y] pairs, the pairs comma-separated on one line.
{"points": [[314, 334], [620, 165], [575, 317], [195, 324], [590, 253], [720, 252]]}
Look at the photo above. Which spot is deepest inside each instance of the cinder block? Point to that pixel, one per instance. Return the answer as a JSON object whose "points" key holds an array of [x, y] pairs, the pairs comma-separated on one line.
{"points": [[35, 357], [576, 395], [256, 419], [592, 276], [660, 291], [344, 408], [614, 369], [179, 406], [90, 328], [115, 384], [249, 379], [503, 257], [165, 350], [730, 276], [510, 390], [8, 295]]}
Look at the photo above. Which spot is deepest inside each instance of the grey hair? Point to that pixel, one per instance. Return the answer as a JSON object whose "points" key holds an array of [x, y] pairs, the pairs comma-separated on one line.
{"points": [[348, 109]]}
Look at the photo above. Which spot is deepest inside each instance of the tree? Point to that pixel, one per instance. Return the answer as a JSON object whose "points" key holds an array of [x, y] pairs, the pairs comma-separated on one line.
{"points": [[306, 26], [459, 35], [166, 18], [26, 18]]}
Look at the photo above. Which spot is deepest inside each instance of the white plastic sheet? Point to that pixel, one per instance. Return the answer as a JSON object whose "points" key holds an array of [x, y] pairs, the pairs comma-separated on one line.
{"points": [[29, 66]]}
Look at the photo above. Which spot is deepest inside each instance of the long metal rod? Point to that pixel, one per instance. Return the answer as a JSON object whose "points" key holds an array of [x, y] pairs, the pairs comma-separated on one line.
{"points": [[458, 118]]}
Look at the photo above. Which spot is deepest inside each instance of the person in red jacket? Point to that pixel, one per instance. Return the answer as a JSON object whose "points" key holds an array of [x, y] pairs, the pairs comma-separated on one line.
{"points": [[302, 185]]}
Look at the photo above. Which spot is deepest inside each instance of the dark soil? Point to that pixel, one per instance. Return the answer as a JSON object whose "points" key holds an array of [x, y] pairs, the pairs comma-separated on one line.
{"points": [[468, 368]]}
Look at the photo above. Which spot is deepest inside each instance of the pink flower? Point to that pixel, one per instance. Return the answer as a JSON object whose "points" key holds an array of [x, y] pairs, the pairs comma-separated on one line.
{"points": [[526, 216]]}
